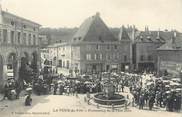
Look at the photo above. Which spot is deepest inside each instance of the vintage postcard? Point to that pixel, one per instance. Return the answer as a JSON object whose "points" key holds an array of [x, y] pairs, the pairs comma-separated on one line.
{"points": [[90, 58]]}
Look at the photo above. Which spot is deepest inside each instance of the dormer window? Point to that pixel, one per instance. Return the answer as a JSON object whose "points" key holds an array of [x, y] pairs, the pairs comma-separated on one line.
{"points": [[12, 23], [24, 26], [79, 38]]}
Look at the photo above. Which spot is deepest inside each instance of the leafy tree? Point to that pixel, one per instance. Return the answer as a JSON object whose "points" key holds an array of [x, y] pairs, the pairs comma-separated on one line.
{"points": [[25, 72]]}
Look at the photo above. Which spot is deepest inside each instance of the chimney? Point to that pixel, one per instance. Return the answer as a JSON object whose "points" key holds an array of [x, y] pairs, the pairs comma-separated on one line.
{"points": [[133, 27], [120, 32], [173, 36], [146, 29], [97, 14], [158, 34]]}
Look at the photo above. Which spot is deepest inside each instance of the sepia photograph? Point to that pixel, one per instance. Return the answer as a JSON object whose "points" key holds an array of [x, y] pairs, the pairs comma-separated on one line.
{"points": [[90, 58]]}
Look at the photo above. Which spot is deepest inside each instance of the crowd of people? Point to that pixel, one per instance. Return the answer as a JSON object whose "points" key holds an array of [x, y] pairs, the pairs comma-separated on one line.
{"points": [[11, 89], [71, 86], [147, 90], [154, 91]]}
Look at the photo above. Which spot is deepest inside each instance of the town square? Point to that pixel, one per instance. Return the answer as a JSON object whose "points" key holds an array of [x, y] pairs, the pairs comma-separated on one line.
{"points": [[97, 66]]}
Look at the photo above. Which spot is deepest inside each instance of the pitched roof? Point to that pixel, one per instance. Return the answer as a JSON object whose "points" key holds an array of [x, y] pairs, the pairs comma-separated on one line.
{"points": [[154, 36], [175, 43], [93, 29], [123, 35], [7, 14]]}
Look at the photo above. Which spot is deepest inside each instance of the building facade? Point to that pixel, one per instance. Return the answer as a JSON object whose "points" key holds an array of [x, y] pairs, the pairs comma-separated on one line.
{"points": [[145, 49], [44, 41], [94, 49], [18, 38], [169, 57]]}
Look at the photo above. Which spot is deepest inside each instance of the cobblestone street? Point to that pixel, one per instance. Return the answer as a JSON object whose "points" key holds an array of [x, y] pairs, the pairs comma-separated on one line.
{"points": [[68, 106]]}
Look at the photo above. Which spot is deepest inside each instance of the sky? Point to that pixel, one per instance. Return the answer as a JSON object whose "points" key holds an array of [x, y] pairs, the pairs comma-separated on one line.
{"points": [[156, 14]]}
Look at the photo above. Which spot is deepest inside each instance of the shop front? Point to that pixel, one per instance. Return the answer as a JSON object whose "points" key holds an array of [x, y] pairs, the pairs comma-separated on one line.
{"points": [[170, 68], [93, 68]]}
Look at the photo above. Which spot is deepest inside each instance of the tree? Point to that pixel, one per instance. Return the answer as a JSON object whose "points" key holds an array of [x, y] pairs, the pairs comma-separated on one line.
{"points": [[34, 65], [25, 72]]}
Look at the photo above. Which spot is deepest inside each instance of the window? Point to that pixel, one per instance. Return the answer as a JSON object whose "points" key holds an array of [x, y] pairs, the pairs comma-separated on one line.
{"points": [[115, 47], [100, 39], [34, 40], [141, 58], [89, 47], [60, 63], [67, 64], [101, 57], [88, 56], [111, 56], [24, 38], [150, 58], [108, 47], [5, 34], [125, 58], [108, 57], [118, 55], [29, 39], [0, 35], [12, 23], [24, 26], [115, 56], [18, 37], [12, 36], [95, 56], [79, 38], [63, 63], [98, 47]]}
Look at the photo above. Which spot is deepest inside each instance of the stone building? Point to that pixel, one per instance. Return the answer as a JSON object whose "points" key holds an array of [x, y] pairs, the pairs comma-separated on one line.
{"points": [[44, 41], [169, 56], [145, 49], [94, 49], [18, 39]]}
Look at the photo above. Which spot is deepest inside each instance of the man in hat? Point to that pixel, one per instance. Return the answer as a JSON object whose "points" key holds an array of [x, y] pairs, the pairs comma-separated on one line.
{"points": [[6, 90], [151, 102], [28, 100]]}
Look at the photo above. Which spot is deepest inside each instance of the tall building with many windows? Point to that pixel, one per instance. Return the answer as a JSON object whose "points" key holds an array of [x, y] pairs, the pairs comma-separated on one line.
{"points": [[18, 39], [94, 49]]}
